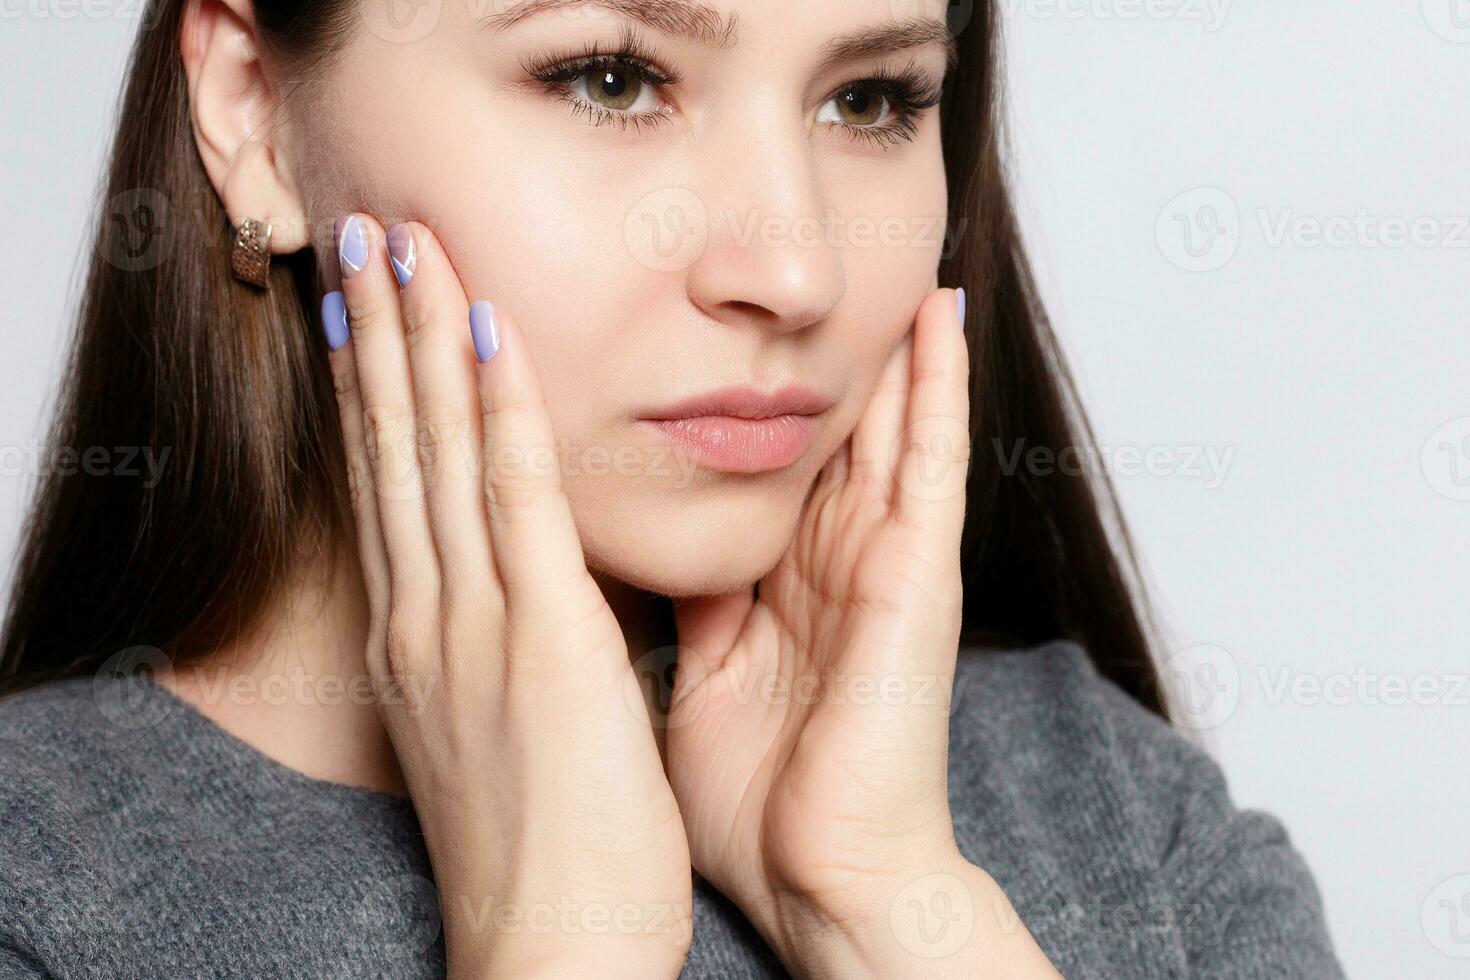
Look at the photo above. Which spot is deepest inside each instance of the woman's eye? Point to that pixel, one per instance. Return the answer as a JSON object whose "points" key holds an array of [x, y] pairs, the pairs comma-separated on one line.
{"points": [[855, 107], [611, 88]]}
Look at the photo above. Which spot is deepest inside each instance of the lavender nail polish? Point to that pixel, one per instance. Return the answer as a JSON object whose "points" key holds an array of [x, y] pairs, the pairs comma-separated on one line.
{"points": [[401, 253], [352, 245], [483, 330], [334, 320], [960, 302]]}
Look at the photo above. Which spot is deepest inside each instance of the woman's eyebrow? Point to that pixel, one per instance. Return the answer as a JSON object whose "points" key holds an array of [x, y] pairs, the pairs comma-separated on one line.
{"points": [[881, 39], [705, 25], [689, 19]]}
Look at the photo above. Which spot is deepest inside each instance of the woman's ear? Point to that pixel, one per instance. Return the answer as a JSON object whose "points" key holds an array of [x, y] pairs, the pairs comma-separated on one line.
{"points": [[237, 117]]}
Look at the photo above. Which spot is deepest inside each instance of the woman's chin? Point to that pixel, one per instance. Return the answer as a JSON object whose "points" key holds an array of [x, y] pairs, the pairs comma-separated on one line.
{"points": [[685, 557]]}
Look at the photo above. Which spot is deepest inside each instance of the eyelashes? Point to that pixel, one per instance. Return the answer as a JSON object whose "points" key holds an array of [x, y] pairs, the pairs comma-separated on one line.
{"points": [[908, 92], [629, 71], [631, 63]]}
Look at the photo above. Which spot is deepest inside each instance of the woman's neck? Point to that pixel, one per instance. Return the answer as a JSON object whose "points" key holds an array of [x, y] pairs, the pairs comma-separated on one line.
{"points": [[297, 689]]}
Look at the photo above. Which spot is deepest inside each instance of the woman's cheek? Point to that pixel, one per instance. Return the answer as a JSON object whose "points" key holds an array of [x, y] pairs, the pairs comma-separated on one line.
{"points": [[890, 276]]}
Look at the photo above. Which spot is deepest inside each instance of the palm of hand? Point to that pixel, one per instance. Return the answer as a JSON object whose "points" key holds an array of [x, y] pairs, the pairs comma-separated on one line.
{"points": [[808, 734]]}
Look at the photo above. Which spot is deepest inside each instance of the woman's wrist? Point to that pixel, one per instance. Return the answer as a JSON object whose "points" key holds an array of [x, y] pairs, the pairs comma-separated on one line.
{"points": [[501, 923], [490, 937], [544, 960], [951, 919]]}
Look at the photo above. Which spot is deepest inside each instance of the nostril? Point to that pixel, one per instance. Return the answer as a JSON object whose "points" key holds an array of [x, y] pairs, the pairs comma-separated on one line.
{"points": [[747, 309], [751, 314]]}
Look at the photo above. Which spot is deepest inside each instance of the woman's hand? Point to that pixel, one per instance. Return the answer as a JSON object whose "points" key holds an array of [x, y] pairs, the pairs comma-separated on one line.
{"points": [[808, 730], [555, 839]]}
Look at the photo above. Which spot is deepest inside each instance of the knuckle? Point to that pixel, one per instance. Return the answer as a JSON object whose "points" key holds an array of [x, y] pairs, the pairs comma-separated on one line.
{"points": [[358, 479], [368, 312], [400, 664], [443, 438], [344, 381], [513, 411], [388, 430], [409, 634], [516, 480], [508, 493], [515, 477], [926, 373], [944, 444], [416, 319]]}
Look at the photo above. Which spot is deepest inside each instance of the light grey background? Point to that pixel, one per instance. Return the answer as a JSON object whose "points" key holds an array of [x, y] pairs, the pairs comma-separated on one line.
{"points": [[1250, 226]]}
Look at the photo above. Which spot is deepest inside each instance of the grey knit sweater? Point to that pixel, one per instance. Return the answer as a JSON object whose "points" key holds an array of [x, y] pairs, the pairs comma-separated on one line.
{"points": [[139, 839]]}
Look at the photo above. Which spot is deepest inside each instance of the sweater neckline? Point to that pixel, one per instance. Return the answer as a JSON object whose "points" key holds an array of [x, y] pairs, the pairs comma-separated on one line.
{"points": [[180, 731]]}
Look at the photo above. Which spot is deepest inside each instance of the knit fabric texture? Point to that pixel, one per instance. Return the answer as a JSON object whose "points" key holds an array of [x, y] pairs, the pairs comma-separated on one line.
{"points": [[138, 839]]}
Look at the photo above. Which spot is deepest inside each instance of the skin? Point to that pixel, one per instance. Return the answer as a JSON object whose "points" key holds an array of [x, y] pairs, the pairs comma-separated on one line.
{"points": [[510, 606]]}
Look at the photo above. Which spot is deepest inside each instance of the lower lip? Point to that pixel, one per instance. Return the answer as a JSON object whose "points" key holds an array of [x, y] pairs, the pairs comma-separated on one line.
{"points": [[736, 445]]}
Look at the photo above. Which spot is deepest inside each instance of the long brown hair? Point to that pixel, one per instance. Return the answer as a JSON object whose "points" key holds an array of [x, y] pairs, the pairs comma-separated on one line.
{"points": [[171, 354]]}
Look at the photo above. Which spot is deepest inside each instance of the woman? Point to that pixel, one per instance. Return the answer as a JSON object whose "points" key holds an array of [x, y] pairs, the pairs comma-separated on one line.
{"points": [[631, 354]]}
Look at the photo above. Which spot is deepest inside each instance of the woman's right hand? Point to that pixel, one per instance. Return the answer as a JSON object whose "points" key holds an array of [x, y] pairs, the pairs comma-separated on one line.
{"points": [[555, 839]]}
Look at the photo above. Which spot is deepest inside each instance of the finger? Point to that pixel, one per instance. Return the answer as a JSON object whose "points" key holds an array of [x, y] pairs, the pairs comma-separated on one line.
{"points": [[446, 406], [386, 388], [876, 439], [371, 555], [537, 551], [935, 457], [707, 627], [834, 473]]}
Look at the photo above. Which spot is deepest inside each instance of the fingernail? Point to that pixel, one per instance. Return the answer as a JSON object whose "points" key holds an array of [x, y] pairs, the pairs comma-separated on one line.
{"points": [[483, 330], [352, 246], [334, 320], [960, 304], [401, 252]]}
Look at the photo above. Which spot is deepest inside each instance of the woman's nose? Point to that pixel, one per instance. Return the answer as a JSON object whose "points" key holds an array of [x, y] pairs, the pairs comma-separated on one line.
{"points": [[770, 258]]}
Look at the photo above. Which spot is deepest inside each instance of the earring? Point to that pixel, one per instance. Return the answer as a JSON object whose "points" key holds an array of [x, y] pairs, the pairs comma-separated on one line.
{"points": [[250, 255]]}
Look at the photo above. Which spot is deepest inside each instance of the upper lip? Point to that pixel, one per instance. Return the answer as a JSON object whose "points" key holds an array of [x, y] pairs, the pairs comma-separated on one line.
{"points": [[746, 402]]}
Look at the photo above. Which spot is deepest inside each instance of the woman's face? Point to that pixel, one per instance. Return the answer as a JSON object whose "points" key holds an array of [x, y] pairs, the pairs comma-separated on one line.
{"points": [[755, 211]]}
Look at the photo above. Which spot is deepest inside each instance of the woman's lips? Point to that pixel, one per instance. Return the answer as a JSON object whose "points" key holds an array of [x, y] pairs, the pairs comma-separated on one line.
{"points": [[740, 429], [737, 445]]}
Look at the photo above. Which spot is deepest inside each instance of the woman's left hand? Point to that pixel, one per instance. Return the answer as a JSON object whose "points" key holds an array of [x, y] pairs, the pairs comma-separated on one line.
{"points": [[809, 728]]}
